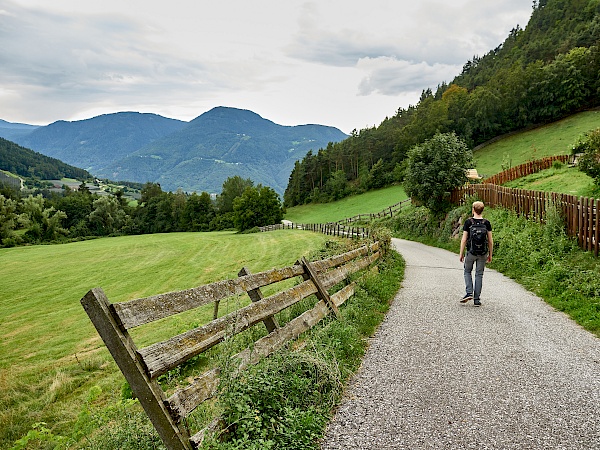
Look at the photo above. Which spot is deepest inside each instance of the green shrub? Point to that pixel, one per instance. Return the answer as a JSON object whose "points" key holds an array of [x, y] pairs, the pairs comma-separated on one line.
{"points": [[271, 404]]}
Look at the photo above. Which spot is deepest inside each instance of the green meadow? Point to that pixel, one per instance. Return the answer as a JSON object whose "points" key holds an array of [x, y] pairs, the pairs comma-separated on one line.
{"points": [[562, 179], [553, 139], [369, 202], [51, 356]]}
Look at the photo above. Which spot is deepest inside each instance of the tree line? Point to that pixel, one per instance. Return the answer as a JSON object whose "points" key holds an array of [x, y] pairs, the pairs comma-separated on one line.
{"points": [[78, 213], [539, 74], [34, 166]]}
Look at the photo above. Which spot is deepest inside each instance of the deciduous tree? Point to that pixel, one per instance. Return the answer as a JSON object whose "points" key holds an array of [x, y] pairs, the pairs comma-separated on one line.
{"points": [[435, 168], [257, 206]]}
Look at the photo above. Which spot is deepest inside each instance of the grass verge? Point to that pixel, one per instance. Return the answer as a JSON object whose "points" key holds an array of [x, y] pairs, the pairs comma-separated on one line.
{"points": [[286, 400], [542, 258]]}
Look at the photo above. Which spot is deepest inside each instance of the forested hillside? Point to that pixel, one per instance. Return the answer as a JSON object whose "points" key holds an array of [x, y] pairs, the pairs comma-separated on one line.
{"points": [[97, 142], [222, 143], [27, 163], [539, 74]]}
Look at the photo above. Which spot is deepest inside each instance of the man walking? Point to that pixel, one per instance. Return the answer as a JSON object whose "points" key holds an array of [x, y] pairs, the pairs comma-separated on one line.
{"points": [[479, 245]]}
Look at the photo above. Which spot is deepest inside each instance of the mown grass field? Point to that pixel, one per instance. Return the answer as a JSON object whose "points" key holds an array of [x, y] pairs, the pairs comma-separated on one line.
{"points": [[50, 354], [565, 180], [369, 202], [552, 139]]}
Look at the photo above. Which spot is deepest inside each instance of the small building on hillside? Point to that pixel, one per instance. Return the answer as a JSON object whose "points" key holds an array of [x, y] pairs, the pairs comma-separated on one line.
{"points": [[473, 176]]}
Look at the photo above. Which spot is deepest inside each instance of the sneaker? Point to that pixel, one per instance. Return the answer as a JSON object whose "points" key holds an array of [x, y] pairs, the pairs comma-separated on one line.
{"points": [[477, 302], [466, 298]]}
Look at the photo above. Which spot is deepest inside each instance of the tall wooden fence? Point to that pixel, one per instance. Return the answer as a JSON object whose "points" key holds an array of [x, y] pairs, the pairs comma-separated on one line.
{"points": [[523, 170], [142, 366], [580, 213]]}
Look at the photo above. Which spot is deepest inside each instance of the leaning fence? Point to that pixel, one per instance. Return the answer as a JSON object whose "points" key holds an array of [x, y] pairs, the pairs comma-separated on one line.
{"points": [[143, 366]]}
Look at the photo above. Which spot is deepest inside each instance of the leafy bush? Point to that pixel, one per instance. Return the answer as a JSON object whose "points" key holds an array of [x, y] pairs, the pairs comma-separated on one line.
{"points": [[435, 168], [589, 162]]}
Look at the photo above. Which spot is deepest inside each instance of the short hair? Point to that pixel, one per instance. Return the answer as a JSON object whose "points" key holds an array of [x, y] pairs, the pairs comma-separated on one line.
{"points": [[478, 207]]}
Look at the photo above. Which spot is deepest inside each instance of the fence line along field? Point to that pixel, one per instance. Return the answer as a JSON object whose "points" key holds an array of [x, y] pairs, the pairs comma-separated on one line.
{"points": [[369, 202], [50, 354], [143, 366]]}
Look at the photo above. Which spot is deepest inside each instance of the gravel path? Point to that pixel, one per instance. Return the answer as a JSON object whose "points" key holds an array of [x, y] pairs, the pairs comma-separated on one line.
{"points": [[511, 374]]}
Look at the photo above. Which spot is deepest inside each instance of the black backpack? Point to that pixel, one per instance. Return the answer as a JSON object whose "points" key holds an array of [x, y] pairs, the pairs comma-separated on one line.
{"points": [[478, 243]]}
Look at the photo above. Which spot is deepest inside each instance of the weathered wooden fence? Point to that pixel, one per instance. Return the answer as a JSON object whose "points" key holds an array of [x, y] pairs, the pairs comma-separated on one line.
{"points": [[142, 366], [580, 213], [523, 170], [331, 229], [388, 212]]}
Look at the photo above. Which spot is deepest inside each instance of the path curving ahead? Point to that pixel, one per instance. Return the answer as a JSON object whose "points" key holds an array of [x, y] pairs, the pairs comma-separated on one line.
{"points": [[511, 374]]}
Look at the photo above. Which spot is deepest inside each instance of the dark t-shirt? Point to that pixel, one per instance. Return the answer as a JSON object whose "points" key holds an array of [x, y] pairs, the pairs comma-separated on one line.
{"points": [[469, 222]]}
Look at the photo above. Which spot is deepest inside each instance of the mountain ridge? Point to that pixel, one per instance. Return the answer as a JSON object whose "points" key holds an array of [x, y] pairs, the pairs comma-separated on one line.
{"points": [[198, 155]]}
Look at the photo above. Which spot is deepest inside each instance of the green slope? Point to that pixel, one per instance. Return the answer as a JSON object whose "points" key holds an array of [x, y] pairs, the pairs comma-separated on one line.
{"points": [[549, 140], [369, 202]]}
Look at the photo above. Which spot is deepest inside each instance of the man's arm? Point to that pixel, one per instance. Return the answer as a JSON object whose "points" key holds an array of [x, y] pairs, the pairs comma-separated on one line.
{"points": [[463, 244], [490, 246]]}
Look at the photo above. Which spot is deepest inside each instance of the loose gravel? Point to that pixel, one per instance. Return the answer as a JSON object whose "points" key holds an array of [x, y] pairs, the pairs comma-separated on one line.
{"points": [[511, 374]]}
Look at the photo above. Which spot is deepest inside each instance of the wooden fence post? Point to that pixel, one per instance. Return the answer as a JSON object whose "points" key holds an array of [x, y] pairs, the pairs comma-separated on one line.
{"points": [[256, 295], [322, 293], [124, 352], [596, 223], [216, 310]]}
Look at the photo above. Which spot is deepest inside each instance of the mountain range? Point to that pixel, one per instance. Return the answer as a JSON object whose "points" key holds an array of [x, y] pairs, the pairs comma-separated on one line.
{"points": [[195, 156], [12, 131]]}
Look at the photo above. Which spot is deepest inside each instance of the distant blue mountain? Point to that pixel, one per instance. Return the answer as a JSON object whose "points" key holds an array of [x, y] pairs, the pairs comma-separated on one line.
{"points": [[195, 156], [13, 131], [221, 143], [94, 143]]}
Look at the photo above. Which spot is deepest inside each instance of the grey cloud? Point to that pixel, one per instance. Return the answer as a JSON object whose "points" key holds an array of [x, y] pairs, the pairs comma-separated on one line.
{"points": [[343, 49], [393, 77], [87, 58], [438, 33]]}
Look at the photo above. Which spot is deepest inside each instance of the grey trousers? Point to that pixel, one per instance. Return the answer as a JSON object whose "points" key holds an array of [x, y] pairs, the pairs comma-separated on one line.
{"points": [[479, 262]]}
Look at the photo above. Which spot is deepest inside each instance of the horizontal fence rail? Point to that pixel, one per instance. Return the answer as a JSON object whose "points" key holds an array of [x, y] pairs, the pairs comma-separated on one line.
{"points": [[388, 212], [339, 228], [142, 366]]}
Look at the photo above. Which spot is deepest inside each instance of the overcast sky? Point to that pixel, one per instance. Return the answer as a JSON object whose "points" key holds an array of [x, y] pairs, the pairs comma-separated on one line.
{"points": [[344, 63]]}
